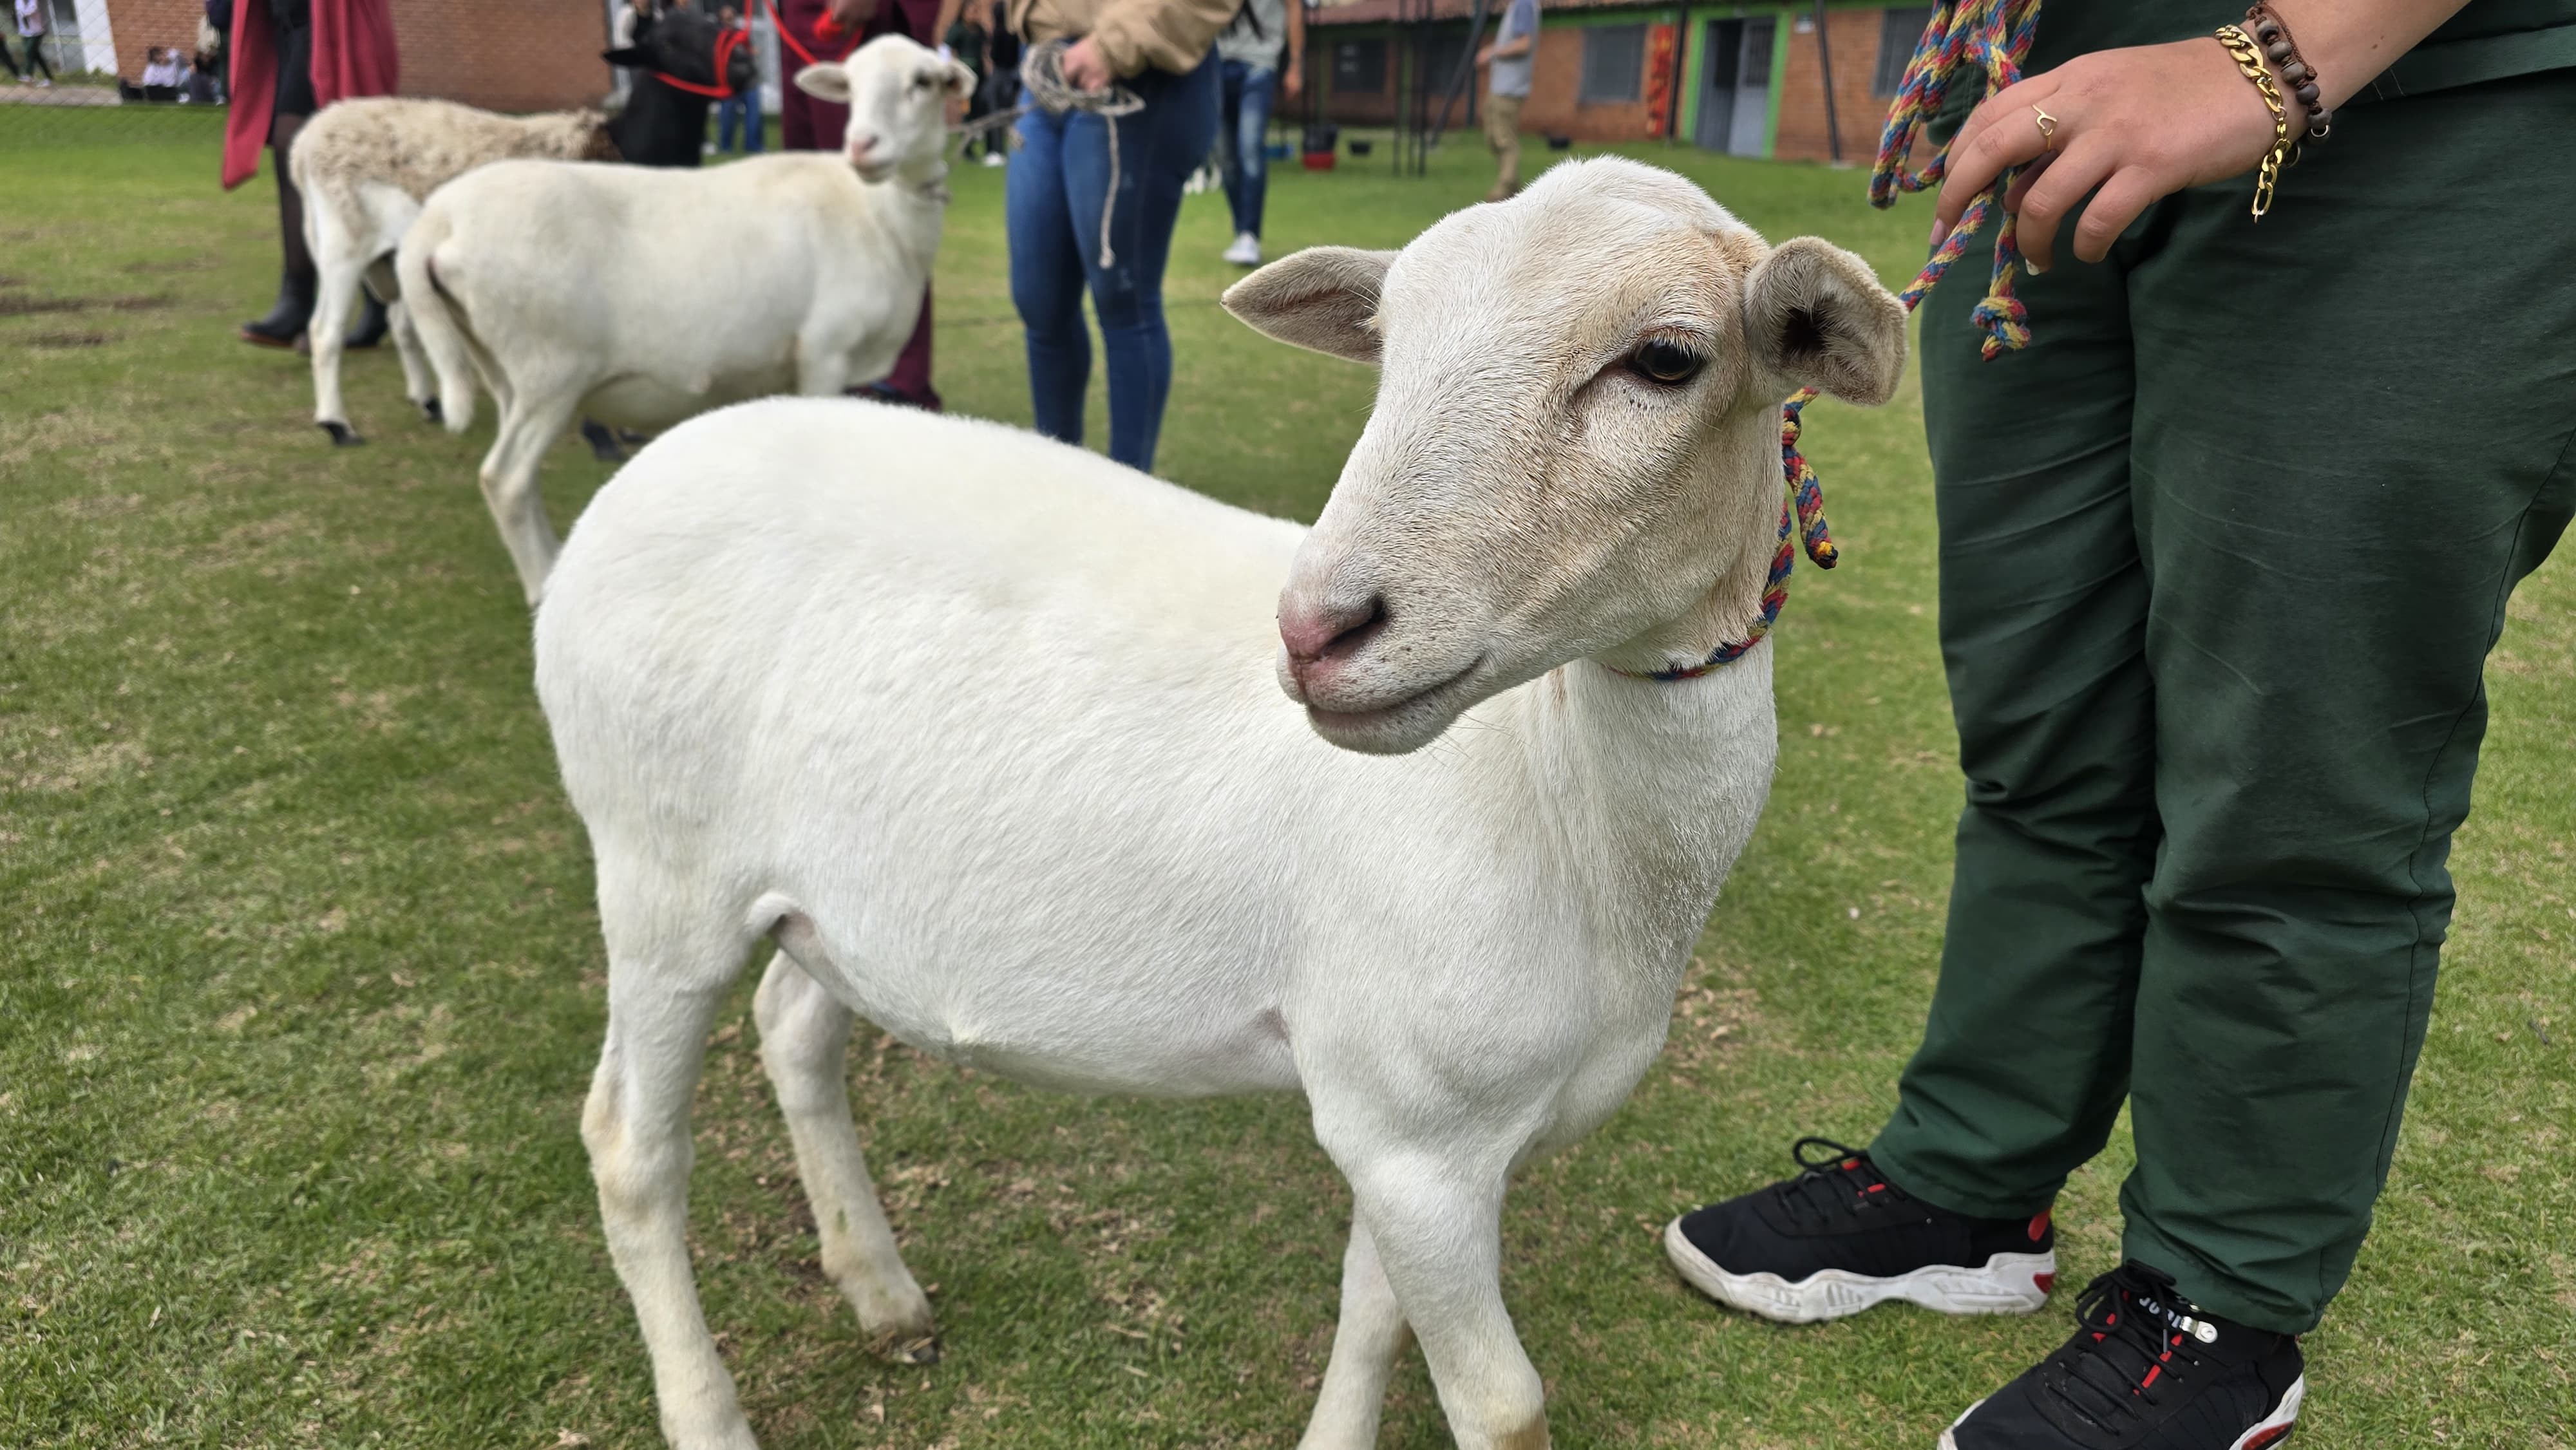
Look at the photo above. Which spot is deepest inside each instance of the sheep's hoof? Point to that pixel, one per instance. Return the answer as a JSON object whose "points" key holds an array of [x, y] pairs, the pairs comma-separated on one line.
{"points": [[603, 444], [901, 1348], [342, 435], [430, 409]]}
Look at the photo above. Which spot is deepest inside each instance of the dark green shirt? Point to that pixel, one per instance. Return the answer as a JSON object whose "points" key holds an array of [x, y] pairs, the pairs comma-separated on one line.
{"points": [[2487, 40]]}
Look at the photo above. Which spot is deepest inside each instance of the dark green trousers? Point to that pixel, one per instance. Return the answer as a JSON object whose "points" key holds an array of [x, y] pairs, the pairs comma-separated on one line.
{"points": [[2222, 555]]}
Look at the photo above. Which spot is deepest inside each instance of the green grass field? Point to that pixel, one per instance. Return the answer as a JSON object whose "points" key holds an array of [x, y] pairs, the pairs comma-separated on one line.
{"points": [[300, 987]]}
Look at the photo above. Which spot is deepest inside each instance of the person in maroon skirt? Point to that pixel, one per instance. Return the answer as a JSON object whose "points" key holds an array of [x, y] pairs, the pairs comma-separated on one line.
{"points": [[812, 30]]}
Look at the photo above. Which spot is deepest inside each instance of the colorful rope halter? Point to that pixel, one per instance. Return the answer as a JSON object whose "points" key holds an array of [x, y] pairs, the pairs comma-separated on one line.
{"points": [[1993, 36]]}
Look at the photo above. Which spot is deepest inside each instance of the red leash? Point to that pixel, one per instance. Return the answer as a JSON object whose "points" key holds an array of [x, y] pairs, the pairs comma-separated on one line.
{"points": [[732, 40], [727, 42], [823, 28]]}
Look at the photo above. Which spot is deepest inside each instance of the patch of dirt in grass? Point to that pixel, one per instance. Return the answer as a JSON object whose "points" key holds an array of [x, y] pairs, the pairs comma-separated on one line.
{"points": [[31, 306], [67, 768], [169, 265], [99, 505], [62, 340]]}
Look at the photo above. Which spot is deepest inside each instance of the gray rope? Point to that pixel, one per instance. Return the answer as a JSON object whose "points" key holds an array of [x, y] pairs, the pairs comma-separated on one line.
{"points": [[1042, 77]]}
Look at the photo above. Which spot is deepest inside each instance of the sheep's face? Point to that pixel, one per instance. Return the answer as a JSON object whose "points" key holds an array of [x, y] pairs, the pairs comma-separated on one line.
{"points": [[898, 95], [1575, 438]]}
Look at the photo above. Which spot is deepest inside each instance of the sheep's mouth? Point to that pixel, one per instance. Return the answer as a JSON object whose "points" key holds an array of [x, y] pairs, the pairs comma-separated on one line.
{"points": [[1400, 725]]}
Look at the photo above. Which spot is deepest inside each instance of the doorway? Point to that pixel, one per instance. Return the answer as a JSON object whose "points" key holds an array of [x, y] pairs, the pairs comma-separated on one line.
{"points": [[1735, 86]]}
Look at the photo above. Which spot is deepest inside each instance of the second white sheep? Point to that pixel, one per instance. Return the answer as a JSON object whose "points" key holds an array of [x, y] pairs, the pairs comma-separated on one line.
{"points": [[638, 298]]}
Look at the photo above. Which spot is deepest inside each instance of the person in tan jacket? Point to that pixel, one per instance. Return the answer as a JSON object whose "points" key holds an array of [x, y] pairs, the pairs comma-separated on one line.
{"points": [[1092, 200]]}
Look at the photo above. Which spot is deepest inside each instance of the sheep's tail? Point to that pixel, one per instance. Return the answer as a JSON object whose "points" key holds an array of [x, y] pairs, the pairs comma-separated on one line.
{"points": [[434, 312], [299, 172]]}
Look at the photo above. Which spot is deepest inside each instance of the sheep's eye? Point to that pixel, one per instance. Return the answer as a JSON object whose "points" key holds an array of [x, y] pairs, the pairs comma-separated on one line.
{"points": [[1668, 363]]}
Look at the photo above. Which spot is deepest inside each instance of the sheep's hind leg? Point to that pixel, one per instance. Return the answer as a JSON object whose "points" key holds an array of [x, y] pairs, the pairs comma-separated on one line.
{"points": [[804, 1042], [1372, 1332], [420, 384], [326, 334], [530, 421], [664, 984]]}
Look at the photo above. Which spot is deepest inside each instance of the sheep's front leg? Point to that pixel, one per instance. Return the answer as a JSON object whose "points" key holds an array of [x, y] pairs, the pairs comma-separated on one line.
{"points": [[804, 1042], [636, 1126], [1434, 1216], [822, 368], [530, 421], [1366, 1342], [326, 335]]}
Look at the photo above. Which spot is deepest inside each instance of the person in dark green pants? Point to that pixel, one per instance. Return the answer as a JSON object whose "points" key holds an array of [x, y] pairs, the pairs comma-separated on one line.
{"points": [[2223, 551]]}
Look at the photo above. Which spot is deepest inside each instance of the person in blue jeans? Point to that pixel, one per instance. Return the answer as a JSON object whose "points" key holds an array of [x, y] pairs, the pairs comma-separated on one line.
{"points": [[1068, 231], [1247, 53], [741, 111]]}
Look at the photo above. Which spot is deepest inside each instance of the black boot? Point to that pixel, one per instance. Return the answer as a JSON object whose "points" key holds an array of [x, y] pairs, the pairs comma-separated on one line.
{"points": [[371, 322], [285, 321]]}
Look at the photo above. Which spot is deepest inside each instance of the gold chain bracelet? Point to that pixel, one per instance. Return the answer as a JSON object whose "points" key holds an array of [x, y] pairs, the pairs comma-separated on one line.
{"points": [[2249, 59]]}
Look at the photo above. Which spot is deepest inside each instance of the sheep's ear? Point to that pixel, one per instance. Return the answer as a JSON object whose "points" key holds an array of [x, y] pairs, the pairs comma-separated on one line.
{"points": [[825, 82], [1321, 298], [1816, 314], [961, 81], [627, 55]]}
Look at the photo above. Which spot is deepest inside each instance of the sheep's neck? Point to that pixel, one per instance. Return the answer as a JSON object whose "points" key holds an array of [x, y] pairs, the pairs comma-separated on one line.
{"points": [[1739, 534]]}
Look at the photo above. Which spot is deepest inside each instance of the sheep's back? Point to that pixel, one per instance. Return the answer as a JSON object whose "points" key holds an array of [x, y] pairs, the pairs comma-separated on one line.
{"points": [[418, 145]]}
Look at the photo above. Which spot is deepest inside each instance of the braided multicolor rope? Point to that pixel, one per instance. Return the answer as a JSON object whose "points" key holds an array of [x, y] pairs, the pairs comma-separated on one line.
{"points": [[1994, 36]]}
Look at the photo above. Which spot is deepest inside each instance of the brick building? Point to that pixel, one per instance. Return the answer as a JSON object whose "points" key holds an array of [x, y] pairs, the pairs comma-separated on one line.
{"points": [[509, 55], [1745, 79]]}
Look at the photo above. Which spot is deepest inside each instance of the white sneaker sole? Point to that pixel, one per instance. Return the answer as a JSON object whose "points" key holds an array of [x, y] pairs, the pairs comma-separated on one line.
{"points": [[2271, 1430], [2007, 1284]]}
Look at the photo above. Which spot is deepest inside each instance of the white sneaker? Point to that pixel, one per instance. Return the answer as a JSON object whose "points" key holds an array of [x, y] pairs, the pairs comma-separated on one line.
{"points": [[994, 158], [706, 148], [1246, 251]]}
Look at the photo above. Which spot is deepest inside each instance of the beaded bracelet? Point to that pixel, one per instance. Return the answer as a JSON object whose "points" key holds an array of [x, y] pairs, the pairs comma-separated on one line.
{"points": [[2240, 47], [2273, 34]]}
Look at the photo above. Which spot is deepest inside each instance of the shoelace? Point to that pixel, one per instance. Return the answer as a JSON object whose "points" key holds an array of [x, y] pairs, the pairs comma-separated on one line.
{"points": [[1838, 1185], [2128, 1349]]}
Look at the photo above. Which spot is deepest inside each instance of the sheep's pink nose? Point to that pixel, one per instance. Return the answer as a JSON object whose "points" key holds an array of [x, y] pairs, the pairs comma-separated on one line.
{"points": [[1319, 632], [863, 146]]}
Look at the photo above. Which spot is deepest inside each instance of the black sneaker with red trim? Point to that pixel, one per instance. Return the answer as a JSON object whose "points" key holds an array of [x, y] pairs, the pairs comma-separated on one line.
{"points": [[2146, 1370], [1840, 1237]]}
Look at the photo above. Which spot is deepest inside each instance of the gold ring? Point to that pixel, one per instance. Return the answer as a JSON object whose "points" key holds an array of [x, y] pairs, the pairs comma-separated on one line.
{"points": [[2047, 127]]}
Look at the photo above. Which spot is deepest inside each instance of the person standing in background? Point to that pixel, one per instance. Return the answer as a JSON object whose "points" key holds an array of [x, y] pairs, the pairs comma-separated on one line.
{"points": [[964, 40], [743, 110], [1078, 214], [291, 58], [1002, 85], [1248, 71], [815, 30], [1506, 87], [31, 29]]}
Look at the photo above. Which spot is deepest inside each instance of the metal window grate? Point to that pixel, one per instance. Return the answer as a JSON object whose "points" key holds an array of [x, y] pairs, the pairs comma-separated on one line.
{"points": [[1898, 28], [1614, 63], [1359, 67]]}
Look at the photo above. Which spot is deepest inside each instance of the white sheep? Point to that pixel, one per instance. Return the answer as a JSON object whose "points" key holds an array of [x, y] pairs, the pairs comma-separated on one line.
{"points": [[639, 298], [984, 732], [366, 165]]}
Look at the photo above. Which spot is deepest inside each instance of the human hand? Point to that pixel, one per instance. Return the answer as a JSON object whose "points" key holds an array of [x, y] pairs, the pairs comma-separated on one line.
{"points": [[2140, 122], [1085, 68], [1484, 56], [847, 17], [1293, 81]]}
